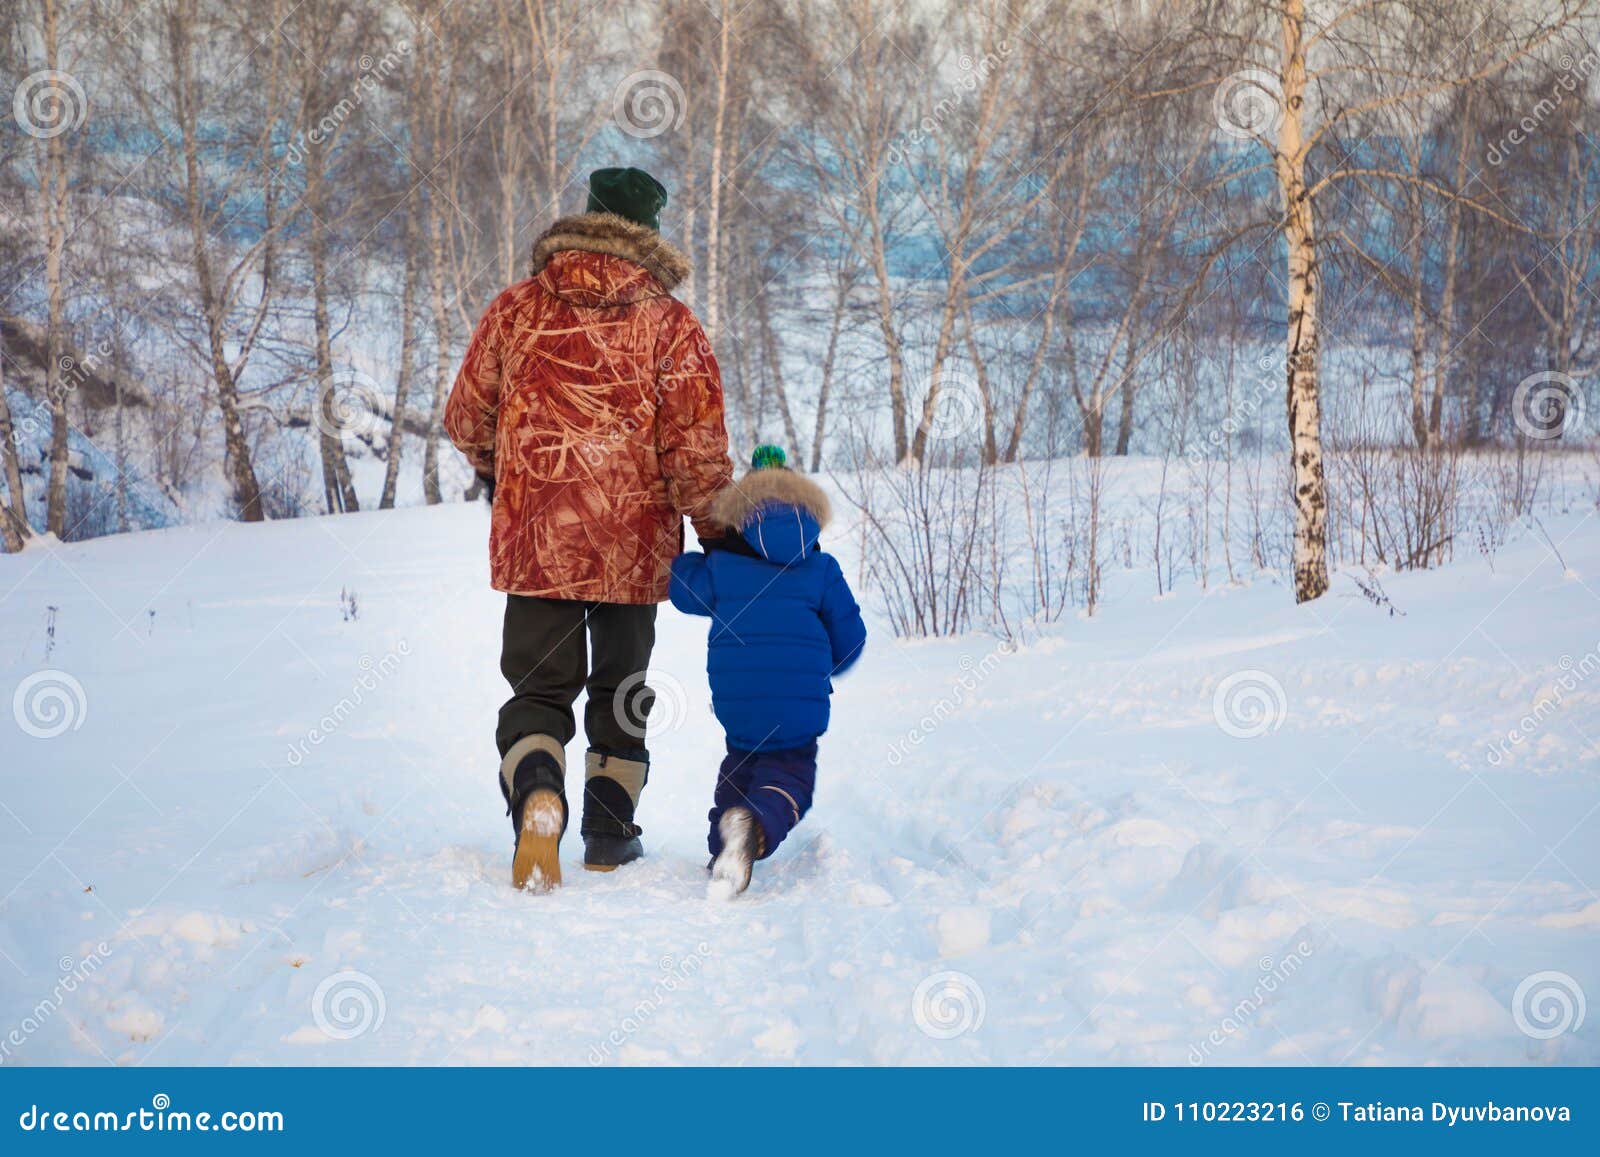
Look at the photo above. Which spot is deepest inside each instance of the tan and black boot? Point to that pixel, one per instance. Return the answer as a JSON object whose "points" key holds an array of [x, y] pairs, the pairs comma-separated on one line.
{"points": [[532, 778], [611, 787]]}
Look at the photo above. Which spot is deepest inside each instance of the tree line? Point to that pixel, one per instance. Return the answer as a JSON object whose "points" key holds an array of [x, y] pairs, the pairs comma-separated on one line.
{"points": [[245, 245]]}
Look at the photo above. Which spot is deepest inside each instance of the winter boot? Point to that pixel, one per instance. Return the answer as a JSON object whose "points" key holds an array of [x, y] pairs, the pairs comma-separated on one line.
{"points": [[532, 778], [742, 846], [611, 787]]}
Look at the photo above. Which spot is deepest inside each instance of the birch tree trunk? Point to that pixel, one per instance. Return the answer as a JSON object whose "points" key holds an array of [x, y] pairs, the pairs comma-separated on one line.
{"points": [[1127, 389], [439, 95], [1094, 420], [120, 434], [441, 356], [402, 385], [691, 203], [987, 120], [55, 205], [338, 491], [1416, 226], [713, 317], [771, 355], [246, 489], [856, 51], [14, 528], [1452, 265], [942, 347], [887, 327], [980, 370], [842, 286], [1058, 285], [510, 152], [1304, 388], [511, 192]]}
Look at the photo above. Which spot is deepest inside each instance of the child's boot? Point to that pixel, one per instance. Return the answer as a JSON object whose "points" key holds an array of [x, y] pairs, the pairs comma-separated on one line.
{"points": [[611, 789], [532, 778], [742, 846]]}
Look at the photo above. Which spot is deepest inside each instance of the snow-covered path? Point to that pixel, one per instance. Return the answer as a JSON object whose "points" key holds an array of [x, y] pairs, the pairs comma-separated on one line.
{"points": [[263, 826]]}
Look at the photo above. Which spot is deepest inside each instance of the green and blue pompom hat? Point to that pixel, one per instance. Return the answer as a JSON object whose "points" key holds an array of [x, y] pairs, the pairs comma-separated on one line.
{"points": [[767, 456]]}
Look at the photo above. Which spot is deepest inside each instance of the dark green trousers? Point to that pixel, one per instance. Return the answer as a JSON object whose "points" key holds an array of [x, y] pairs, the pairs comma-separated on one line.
{"points": [[554, 648]]}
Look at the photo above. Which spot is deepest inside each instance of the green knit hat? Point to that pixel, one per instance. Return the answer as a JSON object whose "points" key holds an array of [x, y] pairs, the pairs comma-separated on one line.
{"points": [[768, 456], [630, 193]]}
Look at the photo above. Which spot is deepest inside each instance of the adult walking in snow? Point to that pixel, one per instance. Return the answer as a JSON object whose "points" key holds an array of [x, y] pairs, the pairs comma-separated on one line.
{"points": [[590, 404]]}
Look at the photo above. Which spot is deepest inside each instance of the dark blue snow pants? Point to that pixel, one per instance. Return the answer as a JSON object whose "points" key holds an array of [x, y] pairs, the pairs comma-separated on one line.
{"points": [[775, 785]]}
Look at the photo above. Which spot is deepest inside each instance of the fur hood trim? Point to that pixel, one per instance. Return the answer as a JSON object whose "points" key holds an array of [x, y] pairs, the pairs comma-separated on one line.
{"points": [[617, 236], [735, 505]]}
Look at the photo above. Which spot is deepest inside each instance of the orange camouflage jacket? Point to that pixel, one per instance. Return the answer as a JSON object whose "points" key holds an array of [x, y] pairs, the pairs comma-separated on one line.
{"points": [[591, 396]]}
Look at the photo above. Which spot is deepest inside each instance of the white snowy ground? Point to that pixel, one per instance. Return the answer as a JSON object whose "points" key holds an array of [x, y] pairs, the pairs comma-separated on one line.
{"points": [[1057, 855]]}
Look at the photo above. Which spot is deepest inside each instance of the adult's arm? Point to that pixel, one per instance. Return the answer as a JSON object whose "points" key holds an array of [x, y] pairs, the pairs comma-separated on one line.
{"points": [[474, 405], [691, 438]]}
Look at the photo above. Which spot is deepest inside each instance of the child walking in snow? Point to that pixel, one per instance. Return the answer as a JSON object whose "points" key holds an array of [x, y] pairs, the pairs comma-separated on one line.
{"points": [[783, 623]]}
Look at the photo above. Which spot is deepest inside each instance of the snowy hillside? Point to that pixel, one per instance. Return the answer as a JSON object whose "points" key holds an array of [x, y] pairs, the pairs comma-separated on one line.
{"points": [[241, 827]]}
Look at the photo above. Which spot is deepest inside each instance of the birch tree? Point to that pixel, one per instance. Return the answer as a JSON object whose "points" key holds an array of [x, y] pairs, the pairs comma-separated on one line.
{"points": [[1293, 75], [1556, 272], [170, 56], [14, 528], [855, 59], [323, 122], [52, 105], [436, 91]]}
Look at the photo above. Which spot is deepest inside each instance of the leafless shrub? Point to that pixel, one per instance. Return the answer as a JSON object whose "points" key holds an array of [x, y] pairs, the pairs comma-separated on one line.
{"points": [[1052, 544], [1372, 590], [927, 532]]}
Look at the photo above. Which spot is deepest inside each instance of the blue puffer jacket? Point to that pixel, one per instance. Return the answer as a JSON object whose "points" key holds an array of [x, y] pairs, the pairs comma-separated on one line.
{"points": [[783, 620]]}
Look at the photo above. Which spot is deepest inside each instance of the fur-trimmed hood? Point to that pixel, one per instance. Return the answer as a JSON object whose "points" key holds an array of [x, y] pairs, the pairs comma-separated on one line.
{"points": [[618, 237], [778, 512], [737, 503]]}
